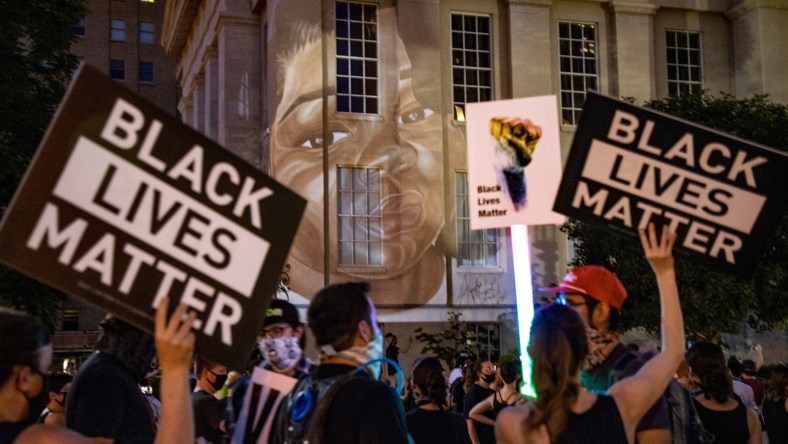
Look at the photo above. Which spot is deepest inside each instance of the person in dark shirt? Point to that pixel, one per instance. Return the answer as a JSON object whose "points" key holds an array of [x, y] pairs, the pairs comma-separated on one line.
{"points": [[209, 412], [348, 403], [392, 352], [480, 390], [431, 421]]}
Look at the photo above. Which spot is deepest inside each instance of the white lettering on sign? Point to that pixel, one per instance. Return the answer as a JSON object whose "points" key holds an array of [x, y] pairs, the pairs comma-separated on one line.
{"points": [[668, 185], [122, 130], [162, 216], [714, 158], [103, 256]]}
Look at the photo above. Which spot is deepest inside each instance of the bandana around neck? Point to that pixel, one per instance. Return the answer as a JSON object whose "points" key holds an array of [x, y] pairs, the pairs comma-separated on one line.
{"points": [[600, 345]]}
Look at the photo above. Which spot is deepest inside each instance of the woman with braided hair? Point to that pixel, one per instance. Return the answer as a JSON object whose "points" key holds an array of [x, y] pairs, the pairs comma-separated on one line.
{"points": [[564, 412], [432, 421]]}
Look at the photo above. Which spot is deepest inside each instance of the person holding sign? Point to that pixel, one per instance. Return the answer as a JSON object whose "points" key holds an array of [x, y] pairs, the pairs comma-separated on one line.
{"points": [[563, 410], [26, 354]]}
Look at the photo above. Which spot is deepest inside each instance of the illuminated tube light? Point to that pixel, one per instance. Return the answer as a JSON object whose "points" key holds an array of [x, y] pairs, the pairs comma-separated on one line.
{"points": [[521, 253]]}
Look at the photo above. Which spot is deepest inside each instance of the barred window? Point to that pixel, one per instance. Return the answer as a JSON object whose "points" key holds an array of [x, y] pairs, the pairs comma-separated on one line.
{"points": [[471, 61], [359, 216], [475, 248], [357, 57], [578, 67], [684, 62]]}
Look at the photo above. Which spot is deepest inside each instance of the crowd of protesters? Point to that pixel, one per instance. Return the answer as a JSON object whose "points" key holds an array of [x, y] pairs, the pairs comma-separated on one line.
{"points": [[590, 387]]}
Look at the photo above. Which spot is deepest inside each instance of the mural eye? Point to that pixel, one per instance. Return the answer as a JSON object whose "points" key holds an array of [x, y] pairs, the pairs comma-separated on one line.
{"points": [[316, 141], [414, 116]]}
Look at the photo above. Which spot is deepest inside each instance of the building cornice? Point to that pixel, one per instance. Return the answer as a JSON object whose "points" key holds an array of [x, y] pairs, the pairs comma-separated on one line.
{"points": [[537, 3], [746, 6], [177, 24], [630, 7]]}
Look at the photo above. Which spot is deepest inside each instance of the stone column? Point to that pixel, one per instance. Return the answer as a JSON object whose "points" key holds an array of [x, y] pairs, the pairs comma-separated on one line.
{"points": [[239, 108], [760, 52], [198, 104], [631, 49], [211, 64], [529, 36]]}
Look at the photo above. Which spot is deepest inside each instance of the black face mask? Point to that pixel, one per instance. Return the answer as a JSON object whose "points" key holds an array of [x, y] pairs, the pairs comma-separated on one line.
{"points": [[489, 379], [218, 383], [37, 403]]}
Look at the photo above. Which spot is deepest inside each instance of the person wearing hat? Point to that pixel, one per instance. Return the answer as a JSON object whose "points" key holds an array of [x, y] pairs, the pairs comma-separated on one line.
{"points": [[598, 296], [281, 341]]}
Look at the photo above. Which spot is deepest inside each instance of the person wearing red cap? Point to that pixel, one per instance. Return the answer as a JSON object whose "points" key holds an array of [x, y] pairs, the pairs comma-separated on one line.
{"points": [[598, 296]]}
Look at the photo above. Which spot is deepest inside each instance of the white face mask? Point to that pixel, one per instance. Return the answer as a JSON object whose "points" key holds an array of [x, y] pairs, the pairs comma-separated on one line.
{"points": [[363, 354], [280, 353]]}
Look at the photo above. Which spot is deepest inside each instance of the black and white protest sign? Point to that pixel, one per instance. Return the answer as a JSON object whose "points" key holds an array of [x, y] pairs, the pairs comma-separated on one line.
{"points": [[629, 166], [124, 205]]}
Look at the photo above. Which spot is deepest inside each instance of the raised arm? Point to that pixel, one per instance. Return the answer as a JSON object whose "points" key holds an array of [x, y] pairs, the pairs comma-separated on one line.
{"points": [[174, 346], [636, 394]]}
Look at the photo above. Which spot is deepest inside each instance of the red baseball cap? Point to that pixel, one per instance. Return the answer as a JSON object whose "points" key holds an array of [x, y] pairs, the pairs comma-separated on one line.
{"points": [[594, 281]]}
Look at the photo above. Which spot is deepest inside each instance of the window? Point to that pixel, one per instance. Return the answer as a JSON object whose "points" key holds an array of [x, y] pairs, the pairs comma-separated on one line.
{"points": [[146, 32], [684, 64], [79, 28], [145, 74], [359, 221], [117, 69], [475, 248], [117, 30], [70, 319], [357, 58], [578, 67], [471, 61]]}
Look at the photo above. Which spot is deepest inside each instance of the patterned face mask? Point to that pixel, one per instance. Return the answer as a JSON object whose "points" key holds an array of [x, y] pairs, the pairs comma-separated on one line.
{"points": [[600, 345], [368, 355], [280, 353]]}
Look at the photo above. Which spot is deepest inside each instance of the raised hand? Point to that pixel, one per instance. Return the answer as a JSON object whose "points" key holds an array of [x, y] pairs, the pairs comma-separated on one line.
{"points": [[174, 336], [658, 251]]}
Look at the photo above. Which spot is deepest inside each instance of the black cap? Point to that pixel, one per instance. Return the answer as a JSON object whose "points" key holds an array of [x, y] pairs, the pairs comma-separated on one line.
{"points": [[281, 311]]}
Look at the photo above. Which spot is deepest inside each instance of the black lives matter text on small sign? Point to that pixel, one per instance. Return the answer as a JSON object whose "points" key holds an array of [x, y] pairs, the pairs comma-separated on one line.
{"points": [[124, 205], [722, 195]]}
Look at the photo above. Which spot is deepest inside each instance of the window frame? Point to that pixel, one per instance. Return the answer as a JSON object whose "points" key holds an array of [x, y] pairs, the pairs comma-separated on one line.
{"points": [[117, 33], [482, 77], [115, 69], [484, 239], [368, 219], [139, 73], [568, 78], [151, 33], [675, 85], [357, 94]]}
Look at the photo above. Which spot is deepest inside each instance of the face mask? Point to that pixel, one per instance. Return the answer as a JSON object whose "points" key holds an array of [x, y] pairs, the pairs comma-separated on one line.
{"points": [[37, 403], [218, 383], [489, 379], [363, 354], [280, 353], [600, 345]]}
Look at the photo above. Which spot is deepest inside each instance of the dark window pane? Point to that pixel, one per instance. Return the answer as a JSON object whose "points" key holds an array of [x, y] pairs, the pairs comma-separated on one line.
{"points": [[456, 40], [456, 22], [683, 57], [372, 105], [371, 87], [342, 31], [459, 94], [694, 40], [470, 23], [370, 50], [471, 77], [371, 69], [671, 55], [485, 94], [577, 32], [342, 47], [357, 86], [484, 42], [356, 12], [356, 68], [484, 60], [342, 10], [343, 104], [485, 78], [681, 40], [563, 30], [670, 38], [458, 57], [457, 76], [566, 64], [471, 58], [694, 57], [356, 105], [484, 25], [342, 67], [470, 41], [695, 74], [356, 48], [566, 116], [370, 32], [473, 95], [342, 85], [590, 66], [369, 13], [591, 83], [355, 30]]}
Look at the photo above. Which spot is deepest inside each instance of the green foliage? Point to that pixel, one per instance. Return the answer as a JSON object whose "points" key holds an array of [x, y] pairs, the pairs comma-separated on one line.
{"points": [[36, 66], [449, 341], [712, 302]]}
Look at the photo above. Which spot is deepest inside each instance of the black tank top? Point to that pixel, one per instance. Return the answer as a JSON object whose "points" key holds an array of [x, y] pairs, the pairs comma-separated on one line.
{"points": [[728, 427], [9, 431], [601, 424], [497, 405]]}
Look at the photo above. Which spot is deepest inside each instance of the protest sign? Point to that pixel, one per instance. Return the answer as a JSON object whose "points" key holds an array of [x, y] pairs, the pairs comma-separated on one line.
{"points": [[262, 399], [629, 166], [124, 205], [514, 162]]}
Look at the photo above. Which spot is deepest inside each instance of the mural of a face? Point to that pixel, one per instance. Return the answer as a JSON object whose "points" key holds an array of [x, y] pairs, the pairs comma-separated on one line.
{"points": [[404, 140]]}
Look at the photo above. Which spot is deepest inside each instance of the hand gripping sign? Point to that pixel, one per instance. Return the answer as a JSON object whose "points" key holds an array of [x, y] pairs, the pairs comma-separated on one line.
{"points": [[124, 205]]}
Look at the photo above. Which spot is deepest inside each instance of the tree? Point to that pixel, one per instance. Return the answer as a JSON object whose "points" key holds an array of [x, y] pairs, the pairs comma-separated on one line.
{"points": [[712, 302], [446, 344], [36, 67]]}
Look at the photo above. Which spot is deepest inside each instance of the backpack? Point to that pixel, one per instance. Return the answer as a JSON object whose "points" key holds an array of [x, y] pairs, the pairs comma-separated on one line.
{"points": [[687, 427]]}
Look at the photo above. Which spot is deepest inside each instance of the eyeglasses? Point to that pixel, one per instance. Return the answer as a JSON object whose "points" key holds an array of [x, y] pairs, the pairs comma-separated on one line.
{"points": [[568, 302]]}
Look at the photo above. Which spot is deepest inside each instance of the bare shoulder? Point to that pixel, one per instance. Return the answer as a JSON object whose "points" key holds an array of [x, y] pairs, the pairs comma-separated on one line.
{"points": [[44, 434]]}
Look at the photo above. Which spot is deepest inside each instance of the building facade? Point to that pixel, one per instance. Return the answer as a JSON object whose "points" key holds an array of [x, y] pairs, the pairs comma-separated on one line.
{"points": [[121, 38], [359, 107]]}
